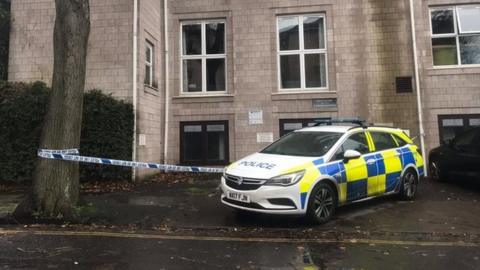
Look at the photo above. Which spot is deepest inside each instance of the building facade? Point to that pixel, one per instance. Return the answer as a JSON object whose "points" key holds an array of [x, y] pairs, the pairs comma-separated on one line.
{"points": [[215, 80]]}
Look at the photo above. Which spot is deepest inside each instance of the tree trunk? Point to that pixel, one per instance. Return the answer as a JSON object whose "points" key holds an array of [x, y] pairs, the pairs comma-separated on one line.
{"points": [[56, 183]]}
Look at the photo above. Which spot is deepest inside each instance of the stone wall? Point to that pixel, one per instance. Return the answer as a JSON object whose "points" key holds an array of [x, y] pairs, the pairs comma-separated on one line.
{"points": [[109, 60]]}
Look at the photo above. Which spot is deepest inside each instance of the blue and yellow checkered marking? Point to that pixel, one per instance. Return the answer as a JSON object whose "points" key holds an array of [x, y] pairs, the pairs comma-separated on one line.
{"points": [[356, 189], [357, 179]]}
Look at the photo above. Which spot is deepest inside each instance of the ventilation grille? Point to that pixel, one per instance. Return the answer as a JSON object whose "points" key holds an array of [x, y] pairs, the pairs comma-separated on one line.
{"points": [[404, 84]]}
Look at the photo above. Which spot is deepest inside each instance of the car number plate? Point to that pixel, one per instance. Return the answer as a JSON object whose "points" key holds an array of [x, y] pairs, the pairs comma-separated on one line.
{"points": [[238, 197]]}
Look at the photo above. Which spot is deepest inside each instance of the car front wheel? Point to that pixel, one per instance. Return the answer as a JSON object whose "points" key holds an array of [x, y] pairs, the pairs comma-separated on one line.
{"points": [[321, 204]]}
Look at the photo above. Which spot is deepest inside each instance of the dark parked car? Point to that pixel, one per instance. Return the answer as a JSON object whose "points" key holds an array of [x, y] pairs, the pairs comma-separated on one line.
{"points": [[459, 157]]}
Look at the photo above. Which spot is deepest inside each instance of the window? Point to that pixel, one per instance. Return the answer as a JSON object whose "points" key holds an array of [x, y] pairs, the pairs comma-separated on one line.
{"points": [[203, 60], [465, 139], [357, 142], [289, 125], [401, 142], [149, 64], [383, 141], [302, 52], [204, 143], [304, 144], [452, 125], [456, 35]]}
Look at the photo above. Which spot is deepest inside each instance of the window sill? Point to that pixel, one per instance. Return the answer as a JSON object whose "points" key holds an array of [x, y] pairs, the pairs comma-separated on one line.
{"points": [[203, 98], [453, 70], [295, 95], [151, 90]]}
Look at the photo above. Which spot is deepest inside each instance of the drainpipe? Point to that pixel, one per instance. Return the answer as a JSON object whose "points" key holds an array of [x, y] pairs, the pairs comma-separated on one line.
{"points": [[417, 85], [166, 78], [134, 88]]}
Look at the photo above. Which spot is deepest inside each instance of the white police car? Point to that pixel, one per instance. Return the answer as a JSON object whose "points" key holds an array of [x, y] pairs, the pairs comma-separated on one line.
{"points": [[313, 170]]}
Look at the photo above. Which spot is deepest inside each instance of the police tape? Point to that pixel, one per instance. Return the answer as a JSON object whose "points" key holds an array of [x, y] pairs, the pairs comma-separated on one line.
{"points": [[73, 155]]}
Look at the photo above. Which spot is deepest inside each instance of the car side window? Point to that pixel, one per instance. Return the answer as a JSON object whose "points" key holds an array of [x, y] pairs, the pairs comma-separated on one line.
{"points": [[357, 142], [383, 141]]}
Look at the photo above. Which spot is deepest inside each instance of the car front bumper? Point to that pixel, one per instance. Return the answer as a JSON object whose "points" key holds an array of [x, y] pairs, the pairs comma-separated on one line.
{"points": [[266, 199]]}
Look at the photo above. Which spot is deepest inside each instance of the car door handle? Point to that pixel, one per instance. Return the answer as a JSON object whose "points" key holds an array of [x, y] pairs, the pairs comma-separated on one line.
{"points": [[370, 161]]}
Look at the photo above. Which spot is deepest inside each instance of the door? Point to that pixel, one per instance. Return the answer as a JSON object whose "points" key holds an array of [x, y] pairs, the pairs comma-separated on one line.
{"points": [[204, 143], [464, 155], [355, 169], [388, 162]]}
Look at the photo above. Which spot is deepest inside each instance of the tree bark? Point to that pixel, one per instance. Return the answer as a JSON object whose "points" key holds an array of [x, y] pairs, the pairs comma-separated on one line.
{"points": [[56, 183]]}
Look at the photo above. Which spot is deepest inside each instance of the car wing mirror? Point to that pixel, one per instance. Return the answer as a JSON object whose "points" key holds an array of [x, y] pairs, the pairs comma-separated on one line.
{"points": [[351, 154]]}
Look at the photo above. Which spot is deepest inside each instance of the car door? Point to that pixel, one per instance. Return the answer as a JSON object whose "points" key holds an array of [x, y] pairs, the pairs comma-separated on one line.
{"points": [[356, 171], [476, 156], [464, 154], [388, 162]]}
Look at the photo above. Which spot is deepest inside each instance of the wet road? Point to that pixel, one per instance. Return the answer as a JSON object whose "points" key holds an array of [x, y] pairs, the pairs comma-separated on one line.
{"points": [[26, 251], [185, 227]]}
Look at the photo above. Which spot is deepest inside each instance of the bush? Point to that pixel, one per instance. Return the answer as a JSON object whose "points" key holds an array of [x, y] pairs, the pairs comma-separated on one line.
{"points": [[107, 131]]}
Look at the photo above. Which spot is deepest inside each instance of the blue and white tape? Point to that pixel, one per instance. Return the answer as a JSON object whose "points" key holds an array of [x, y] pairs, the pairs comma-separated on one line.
{"points": [[73, 155]]}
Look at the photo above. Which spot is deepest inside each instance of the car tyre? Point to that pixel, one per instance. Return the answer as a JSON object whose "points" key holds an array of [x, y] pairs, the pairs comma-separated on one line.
{"points": [[409, 185], [321, 204], [436, 173]]}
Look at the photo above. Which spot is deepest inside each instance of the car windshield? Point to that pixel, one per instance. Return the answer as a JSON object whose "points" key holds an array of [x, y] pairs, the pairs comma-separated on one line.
{"points": [[304, 144]]}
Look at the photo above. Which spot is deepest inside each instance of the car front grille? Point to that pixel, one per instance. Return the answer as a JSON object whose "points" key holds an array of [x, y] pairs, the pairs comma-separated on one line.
{"points": [[240, 183]]}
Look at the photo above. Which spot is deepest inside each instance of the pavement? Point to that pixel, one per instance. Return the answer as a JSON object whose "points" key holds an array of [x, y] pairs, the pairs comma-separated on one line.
{"points": [[184, 226]]}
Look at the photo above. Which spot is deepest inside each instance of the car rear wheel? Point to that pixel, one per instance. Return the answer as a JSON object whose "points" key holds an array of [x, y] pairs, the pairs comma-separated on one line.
{"points": [[409, 185], [321, 204]]}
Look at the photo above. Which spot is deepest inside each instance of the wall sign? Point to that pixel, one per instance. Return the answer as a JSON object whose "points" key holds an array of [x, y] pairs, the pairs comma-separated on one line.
{"points": [[265, 137], [255, 117], [324, 103]]}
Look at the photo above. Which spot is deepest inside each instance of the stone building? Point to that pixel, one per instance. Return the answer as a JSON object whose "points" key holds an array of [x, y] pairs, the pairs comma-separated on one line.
{"points": [[215, 80]]}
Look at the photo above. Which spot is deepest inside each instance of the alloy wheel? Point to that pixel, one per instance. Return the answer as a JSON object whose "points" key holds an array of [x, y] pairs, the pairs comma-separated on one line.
{"points": [[323, 203], [409, 185]]}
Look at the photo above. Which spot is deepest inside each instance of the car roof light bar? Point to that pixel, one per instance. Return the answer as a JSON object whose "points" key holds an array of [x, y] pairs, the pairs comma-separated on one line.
{"points": [[329, 122]]}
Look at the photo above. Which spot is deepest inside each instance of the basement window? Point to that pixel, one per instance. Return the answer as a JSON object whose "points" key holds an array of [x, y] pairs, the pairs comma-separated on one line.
{"points": [[289, 125], [452, 125]]}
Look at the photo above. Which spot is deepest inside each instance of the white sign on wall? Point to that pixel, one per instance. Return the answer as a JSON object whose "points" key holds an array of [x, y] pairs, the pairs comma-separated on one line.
{"points": [[265, 137], [142, 139], [255, 117]]}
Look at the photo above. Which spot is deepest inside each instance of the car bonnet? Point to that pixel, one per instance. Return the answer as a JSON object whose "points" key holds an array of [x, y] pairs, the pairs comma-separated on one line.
{"points": [[265, 166]]}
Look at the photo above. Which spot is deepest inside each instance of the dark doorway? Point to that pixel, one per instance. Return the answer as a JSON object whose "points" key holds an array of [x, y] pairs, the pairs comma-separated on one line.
{"points": [[204, 143]]}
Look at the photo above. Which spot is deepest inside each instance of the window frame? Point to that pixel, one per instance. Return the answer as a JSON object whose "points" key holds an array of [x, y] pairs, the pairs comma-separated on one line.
{"points": [[303, 121], [457, 34], [302, 52], [465, 123], [204, 138], [149, 46], [203, 57]]}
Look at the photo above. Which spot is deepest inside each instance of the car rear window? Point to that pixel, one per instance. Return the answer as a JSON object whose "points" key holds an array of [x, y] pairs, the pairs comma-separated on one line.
{"points": [[383, 141], [304, 144], [401, 142]]}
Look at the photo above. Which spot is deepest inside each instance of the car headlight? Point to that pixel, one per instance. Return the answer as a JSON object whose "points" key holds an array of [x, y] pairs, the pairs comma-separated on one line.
{"points": [[286, 179]]}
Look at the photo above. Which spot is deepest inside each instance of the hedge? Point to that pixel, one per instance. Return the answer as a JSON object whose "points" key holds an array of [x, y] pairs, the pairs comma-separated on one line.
{"points": [[107, 131]]}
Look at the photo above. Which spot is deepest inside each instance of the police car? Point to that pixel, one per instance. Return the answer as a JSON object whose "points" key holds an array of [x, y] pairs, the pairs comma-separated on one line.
{"points": [[314, 170]]}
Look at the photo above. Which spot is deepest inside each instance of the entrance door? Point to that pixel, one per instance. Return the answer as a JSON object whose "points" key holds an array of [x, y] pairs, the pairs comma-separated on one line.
{"points": [[204, 143]]}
